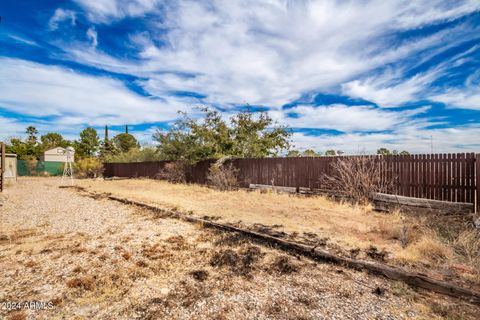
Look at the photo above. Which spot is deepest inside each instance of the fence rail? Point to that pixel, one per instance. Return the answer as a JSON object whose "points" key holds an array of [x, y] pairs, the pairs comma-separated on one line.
{"points": [[447, 177]]}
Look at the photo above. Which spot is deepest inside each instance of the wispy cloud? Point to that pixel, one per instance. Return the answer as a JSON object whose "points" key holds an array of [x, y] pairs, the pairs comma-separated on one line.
{"points": [[271, 53], [411, 138], [74, 99], [23, 40], [105, 11], [93, 36], [344, 118], [61, 15]]}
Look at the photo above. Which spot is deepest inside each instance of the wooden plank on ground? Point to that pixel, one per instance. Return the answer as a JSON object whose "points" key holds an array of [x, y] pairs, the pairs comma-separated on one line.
{"points": [[442, 206]]}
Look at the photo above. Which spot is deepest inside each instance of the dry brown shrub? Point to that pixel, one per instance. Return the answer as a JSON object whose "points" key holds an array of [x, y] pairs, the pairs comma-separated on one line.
{"points": [[283, 264], [223, 176], [85, 283], [241, 262], [357, 177], [199, 275], [174, 172]]}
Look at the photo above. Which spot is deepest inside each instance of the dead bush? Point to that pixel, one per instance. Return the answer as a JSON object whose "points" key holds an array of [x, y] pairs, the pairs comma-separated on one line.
{"points": [[282, 264], [223, 176], [357, 177], [174, 172], [467, 245], [86, 283], [241, 263], [199, 275]]}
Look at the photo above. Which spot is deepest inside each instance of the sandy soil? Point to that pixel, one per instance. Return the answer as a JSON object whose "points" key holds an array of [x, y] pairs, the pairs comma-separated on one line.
{"points": [[103, 260]]}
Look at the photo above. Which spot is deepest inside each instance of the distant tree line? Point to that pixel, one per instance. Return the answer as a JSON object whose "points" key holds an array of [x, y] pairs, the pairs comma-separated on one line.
{"points": [[88, 144]]}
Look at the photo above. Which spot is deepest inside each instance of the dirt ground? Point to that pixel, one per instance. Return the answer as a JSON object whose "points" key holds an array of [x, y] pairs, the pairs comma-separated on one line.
{"points": [[409, 242], [95, 258]]}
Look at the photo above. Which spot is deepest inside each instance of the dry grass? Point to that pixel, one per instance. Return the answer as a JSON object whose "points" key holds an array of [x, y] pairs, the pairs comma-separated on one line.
{"points": [[427, 249], [350, 226]]}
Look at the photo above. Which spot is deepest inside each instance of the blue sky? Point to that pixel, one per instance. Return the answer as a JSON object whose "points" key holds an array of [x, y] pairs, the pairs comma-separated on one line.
{"points": [[349, 75]]}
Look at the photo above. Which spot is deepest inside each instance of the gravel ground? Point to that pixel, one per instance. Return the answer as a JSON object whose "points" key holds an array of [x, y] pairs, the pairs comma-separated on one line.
{"points": [[94, 258]]}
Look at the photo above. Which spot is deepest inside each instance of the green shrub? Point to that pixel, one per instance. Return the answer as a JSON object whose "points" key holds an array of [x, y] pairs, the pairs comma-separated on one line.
{"points": [[88, 167]]}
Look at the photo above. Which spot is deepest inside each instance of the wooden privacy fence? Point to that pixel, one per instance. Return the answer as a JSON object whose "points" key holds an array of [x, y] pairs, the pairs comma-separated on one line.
{"points": [[448, 177]]}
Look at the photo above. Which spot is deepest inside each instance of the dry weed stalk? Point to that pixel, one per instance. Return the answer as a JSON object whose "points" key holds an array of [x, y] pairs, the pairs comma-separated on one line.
{"points": [[223, 176], [358, 177], [175, 172]]}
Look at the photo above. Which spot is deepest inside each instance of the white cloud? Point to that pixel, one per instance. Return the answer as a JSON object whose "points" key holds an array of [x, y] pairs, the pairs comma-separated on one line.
{"points": [[410, 138], [272, 52], [105, 11], [73, 99], [61, 15], [344, 118], [10, 127], [23, 40], [93, 36], [377, 89], [465, 98]]}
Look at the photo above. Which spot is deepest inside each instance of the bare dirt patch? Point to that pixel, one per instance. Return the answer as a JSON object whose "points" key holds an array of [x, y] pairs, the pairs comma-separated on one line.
{"points": [[75, 255]]}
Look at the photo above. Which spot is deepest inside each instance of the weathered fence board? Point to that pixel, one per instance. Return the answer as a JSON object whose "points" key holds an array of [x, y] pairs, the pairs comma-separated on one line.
{"points": [[447, 177]]}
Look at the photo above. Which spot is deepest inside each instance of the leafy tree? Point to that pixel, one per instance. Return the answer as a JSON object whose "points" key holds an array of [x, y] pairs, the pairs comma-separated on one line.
{"points": [[310, 153], [18, 147], [404, 153], [32, 135], [28, 149], [384, 152], [124, 142], [88, 143], [293, 153], [243, 136], [330, 153], [108, 148], [52, 140], [256, 138]]}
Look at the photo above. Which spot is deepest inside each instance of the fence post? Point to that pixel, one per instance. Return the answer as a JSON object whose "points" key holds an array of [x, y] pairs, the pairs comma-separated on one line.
{"points": [[477, 181], [2, 164]]}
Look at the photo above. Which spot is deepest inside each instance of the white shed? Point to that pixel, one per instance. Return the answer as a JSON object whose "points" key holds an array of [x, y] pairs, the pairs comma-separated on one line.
{"points": [[54, 155]]}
